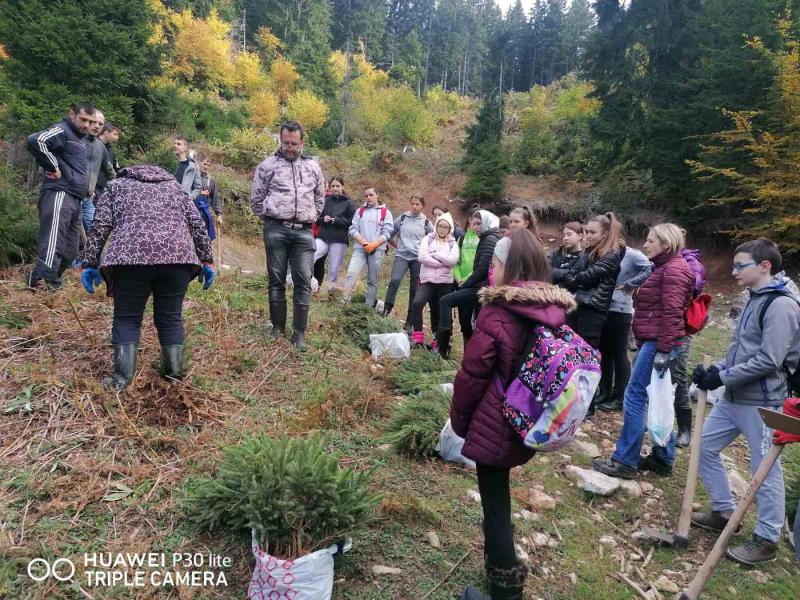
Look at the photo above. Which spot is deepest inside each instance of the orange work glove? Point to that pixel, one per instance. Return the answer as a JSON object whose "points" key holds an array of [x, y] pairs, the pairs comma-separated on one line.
{"points": [[372, 246]]}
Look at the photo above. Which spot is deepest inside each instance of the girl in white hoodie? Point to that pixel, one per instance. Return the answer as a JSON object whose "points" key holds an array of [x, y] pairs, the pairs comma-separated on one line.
{"points": [[438, 253]]}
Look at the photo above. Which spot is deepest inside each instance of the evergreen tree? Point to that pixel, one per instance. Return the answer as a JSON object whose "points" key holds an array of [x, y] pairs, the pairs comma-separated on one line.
{"points": [[87, 49], [364, 20], [484, 161], [577, 28], [515, 56]]}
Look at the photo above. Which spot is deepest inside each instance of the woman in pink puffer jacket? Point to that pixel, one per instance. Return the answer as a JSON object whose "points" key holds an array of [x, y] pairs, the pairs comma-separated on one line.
{"points": [[438, 254]]}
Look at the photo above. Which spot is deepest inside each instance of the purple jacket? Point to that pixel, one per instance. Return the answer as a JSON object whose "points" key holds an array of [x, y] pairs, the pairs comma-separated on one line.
{"points": [[153, 221], [504, 324]]}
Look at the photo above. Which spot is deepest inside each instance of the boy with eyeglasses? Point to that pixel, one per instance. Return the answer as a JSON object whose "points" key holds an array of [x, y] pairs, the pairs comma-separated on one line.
{"points": [[764, 349]]}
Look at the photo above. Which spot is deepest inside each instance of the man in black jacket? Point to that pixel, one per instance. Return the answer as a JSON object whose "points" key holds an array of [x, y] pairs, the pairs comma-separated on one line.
{"points": [[61, 151]]}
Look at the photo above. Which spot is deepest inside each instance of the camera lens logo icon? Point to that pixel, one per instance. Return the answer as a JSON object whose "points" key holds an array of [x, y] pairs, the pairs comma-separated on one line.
{"points": [[62, 569]]}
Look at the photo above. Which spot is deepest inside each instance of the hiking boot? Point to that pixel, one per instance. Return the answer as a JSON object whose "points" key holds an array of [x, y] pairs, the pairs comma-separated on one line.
{"points": [[506, 584], [124, 367], [651, 463], [684, 417], [172, 362], [417, 339], [613, 468], [711, 521], [277, 316], [614, 405], [754, 551]]}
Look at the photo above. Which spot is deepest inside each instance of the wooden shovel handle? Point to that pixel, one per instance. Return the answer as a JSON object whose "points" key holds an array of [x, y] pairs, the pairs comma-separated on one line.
{"points": [[699, 582], [685, 521]]}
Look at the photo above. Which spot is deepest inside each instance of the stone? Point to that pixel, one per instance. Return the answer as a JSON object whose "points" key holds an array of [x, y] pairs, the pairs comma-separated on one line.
{"points": [[662, 584], [474, 496], [634, 557], [565, 457], [592, 481], [650, 503], [433, 539], [674, 574], [732, 591], [581, 434], [543, 459], [383, 570], [607, 445], [632, 488], [526, 515], [447, 388], [759, 577], [540, 539], [646, 486], [586, 448], [608, 540], [521, 554], [540, 501], [738, 484], [384, 448]]}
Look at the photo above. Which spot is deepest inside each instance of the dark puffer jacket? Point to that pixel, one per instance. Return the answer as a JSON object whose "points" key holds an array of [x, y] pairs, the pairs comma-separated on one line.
{"points": [[593, 281], [342, 210], [561, 262], [504, 324], [660, 304], [153, 221]]}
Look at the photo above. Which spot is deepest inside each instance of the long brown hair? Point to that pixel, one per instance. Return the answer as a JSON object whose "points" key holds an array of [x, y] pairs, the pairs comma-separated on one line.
{"points": [[526, 259], [614, 240]]}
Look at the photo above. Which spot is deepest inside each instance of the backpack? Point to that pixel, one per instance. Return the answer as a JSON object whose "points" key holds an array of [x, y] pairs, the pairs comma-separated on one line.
{"points": [[550, 396], [697, 312], [363, 209], [792, 379]]}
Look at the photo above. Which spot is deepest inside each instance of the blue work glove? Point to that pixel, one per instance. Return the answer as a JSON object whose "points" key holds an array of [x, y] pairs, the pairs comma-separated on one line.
{"points": [[208, 274], [661, 362], [90, 278]]}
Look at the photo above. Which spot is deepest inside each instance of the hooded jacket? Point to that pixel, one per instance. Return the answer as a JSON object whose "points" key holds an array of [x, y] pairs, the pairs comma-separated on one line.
{"points": [[153, 222], [437, 256], [495, 349], [489, 234], [468, 246], [342, 210], [411, 229], [633, 271], [191, 182], [593, 280], [288, 190], [62, 147], [370, 225], [754, 369], [660, 304]]}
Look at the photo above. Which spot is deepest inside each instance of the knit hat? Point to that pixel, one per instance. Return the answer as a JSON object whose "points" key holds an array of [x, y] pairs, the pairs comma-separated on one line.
{"points": [[501, 249], [447, 218]]}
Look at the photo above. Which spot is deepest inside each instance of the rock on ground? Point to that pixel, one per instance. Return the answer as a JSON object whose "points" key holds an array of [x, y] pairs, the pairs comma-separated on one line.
{"points": [[592, 481], [540, 501], [586, 448], [433, 539], [662, 584], [383, 570], [474, 496], [630, 487], [738, 484], [608, 540]]}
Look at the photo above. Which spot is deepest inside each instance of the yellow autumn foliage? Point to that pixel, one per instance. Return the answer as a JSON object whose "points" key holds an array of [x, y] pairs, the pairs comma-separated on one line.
{"points": [[201, 51], [306, 108], [264, 108], [247, 74], [283, 78]]}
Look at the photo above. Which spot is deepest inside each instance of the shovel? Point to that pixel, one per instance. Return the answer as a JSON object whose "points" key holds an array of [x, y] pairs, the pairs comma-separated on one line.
{"points": [[774, 420], [680, 539]]}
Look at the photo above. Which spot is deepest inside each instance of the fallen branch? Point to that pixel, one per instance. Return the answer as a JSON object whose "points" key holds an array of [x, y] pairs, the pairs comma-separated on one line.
{"points": [[625, 579], [450, 572]]}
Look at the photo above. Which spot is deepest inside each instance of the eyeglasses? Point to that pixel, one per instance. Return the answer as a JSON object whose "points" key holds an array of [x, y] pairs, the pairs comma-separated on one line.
{"points": [[737, 267]]}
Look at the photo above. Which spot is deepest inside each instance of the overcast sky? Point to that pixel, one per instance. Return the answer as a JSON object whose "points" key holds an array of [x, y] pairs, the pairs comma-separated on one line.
{"points": [[506, 4]]}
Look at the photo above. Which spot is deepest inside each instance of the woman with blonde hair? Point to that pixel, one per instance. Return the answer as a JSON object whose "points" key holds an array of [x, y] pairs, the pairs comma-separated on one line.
{"points": [[659, 326]]}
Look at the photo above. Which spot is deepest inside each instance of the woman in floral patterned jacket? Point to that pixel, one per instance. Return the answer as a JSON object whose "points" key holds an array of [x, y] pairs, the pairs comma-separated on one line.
{"points": [[159, 245]]}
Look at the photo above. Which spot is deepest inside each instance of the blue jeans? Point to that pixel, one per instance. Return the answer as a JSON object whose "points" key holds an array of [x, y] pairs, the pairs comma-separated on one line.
{"points": [[629, 445], [87, 213]]}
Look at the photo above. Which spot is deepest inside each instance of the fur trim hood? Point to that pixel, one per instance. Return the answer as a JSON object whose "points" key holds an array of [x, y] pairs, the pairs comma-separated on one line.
{"points": [[529, 293]]}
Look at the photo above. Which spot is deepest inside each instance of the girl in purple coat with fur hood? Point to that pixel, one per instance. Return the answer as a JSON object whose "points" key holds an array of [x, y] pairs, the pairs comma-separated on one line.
{"points": [[520, 300]]}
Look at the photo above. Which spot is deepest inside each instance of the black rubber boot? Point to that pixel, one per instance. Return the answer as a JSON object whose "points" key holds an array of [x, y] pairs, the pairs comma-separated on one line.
{"points": [[684, 416], [387, 309], [299, 323], [277, 316], [124, 367], [506, 584], [443, 343], [172, 362]]}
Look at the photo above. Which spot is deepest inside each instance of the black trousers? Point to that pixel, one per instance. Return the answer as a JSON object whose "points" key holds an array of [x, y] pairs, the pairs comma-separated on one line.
{"points": [[615, 364], [466, 299], [133, 286], [588, 323], [428, 293], [498, 536], [59, 234]]}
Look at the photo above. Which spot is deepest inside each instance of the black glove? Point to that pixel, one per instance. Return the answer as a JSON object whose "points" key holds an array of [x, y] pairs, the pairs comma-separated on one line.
{"points": [[711, 380], [697, 374]]}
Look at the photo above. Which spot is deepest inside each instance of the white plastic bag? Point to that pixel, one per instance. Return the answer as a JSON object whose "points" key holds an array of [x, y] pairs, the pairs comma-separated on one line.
{"points": [[661, 408], [450, 445], [309, 577], [390, 345]]}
